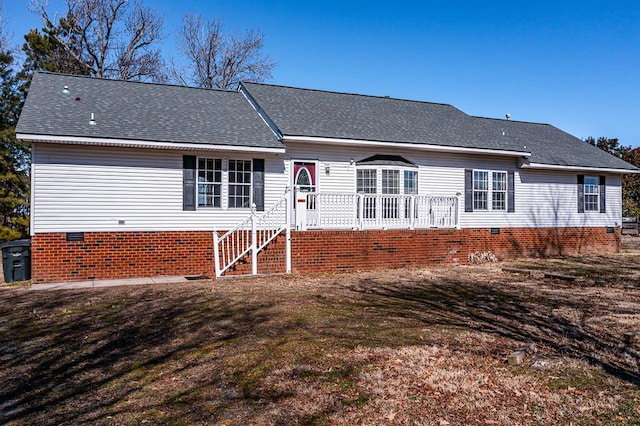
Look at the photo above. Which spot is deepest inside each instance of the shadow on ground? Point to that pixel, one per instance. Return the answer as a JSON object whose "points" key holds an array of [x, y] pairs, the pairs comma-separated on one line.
{"points": [[521, 313]]}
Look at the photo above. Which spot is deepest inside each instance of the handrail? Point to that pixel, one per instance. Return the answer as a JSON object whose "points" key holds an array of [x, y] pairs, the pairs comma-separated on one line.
{"points": [[251, 235], [335, 210], [272, 223]]}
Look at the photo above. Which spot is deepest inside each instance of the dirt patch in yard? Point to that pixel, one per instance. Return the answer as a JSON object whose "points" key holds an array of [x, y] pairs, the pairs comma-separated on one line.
{"points": [[424, 346]]}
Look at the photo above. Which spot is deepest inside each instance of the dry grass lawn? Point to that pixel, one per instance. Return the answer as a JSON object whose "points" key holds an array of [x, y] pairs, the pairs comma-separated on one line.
{"points": [[425, 347]]}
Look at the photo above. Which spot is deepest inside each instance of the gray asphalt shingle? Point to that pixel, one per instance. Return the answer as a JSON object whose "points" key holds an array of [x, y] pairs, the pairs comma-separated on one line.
{"points": [[306, 112], [141, 111], [550, 145], [165, 113]]}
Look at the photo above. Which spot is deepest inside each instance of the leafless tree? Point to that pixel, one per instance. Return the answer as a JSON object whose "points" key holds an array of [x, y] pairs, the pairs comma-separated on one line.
{"points": [[4, 37], [217, 61], [113, 38]]}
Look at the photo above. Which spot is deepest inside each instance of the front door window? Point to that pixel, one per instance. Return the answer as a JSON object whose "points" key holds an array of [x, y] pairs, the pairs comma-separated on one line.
{"points": [[303, 179]]}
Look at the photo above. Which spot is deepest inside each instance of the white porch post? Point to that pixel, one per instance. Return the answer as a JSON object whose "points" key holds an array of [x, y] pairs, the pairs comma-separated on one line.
{"points": [[412, 212], [360, 199], [254, 242], [457, 212], [216, 254], [288, 236]]}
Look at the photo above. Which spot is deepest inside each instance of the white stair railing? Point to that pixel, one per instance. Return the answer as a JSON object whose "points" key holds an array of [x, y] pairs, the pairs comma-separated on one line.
{"points": [[252, 235]]}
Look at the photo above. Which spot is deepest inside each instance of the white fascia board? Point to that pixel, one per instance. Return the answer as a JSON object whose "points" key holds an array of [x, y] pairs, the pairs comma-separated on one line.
{"points": [[126, 143], [542, 166], [414, 146]]}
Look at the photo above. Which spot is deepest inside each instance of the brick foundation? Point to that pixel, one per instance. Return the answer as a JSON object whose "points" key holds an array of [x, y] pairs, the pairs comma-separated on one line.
{"points": [[140, 254], [329, 251], [121, 255]]}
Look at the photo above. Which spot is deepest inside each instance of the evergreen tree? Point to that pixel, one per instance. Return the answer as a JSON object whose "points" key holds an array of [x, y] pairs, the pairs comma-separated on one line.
{"points": [[14, 157]]}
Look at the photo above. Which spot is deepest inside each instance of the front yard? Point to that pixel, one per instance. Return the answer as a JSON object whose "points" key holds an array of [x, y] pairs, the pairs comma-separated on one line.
{"points": [[424, 346]]}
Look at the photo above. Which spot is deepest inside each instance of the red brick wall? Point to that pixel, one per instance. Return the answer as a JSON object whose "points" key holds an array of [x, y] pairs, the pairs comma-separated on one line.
{"points": [[329, 251], [140, 254], [121, 255]]}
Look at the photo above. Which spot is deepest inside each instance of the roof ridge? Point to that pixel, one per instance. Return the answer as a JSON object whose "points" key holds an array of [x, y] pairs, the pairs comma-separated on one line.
{"points": [[148, 83], [353, 94], [512, 121]]}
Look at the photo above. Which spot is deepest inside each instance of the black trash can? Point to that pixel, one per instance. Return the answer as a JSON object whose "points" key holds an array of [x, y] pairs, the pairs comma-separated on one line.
{"points": [[16, 260]]}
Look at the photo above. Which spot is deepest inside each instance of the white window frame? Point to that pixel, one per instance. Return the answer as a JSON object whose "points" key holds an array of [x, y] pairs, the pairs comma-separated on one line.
{"points": [[225, 183], [491, 191], [591, 194], [481, 190], [380, 188], [246, 186], [414, 179], [368, 188], [389, 180], [499, 191], [212, 184]]}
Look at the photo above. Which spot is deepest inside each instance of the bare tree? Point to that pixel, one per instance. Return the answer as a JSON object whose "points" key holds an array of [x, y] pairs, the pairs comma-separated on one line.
{"points": [[110, 38], [216, 61], [4, 37]]}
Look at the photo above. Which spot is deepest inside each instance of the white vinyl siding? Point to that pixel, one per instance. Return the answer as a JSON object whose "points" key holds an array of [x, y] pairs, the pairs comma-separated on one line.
{"points": [[82, 188]]}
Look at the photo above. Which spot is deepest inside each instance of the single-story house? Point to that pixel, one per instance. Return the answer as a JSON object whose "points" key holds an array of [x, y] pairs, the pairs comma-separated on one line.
{"points": [[137, 179]]}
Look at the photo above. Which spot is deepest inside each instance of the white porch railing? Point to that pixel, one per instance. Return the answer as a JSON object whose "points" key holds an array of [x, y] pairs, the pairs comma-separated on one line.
{"points": [[252, 235], [373, 211], [317, 210]]}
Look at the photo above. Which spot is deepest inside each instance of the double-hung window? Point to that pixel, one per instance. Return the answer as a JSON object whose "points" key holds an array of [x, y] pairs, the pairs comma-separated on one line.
{"points": [[386, 183], [214, 183], [390, 185], [499, 190], [591, 193], [209, 182], [367, 183], [239, 183], [489, 190], [480, 190], [410, 188]]}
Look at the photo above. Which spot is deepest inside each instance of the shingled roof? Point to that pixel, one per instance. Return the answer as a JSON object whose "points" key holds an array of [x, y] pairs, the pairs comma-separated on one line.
{"points": [[550, 145], [141, 112], [313, 113], [190, 116]]}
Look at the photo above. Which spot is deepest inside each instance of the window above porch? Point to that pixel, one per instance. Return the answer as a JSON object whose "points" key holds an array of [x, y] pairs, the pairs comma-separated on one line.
{"points": [[386, 174]]}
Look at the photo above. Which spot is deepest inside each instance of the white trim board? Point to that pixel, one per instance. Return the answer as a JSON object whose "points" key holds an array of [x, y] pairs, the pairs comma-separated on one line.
{"points": [[414, 146], [75, 140], [541, 166]]}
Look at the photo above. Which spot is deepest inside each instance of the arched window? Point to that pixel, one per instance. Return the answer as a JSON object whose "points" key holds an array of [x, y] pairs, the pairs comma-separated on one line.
{"points": [[303, 179]]}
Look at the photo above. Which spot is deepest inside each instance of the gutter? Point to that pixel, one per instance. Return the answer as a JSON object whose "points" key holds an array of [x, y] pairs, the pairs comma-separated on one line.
{"points": [[413, 146], [126, 143], [541, 166]]}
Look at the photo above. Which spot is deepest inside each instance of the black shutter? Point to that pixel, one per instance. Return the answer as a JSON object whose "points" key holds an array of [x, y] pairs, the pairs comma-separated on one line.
{"points": [[580, 193], [468, 190], [603, 194], [188, 182], [258, 183], [511, 201]]}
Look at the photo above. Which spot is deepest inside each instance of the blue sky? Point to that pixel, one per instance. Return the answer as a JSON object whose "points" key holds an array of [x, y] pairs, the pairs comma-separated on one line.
{"points": [[573, 64]]}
